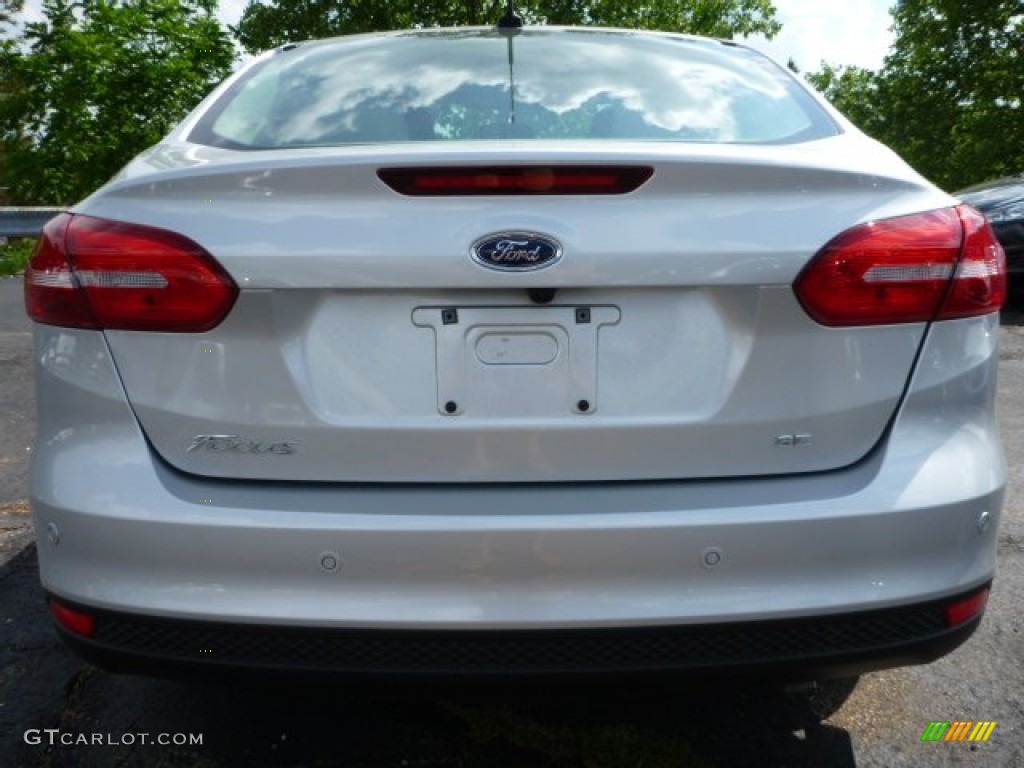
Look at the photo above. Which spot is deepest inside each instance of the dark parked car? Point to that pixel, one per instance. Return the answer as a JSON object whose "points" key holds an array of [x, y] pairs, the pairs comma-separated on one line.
{"points": [[1002, 202]]}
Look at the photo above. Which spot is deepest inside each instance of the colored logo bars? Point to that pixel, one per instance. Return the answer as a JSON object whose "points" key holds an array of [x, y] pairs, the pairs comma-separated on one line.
{"points": [[958, 730]]}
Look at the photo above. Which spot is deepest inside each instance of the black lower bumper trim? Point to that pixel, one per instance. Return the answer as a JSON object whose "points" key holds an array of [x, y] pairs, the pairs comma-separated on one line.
{"points": [[823, 646]]}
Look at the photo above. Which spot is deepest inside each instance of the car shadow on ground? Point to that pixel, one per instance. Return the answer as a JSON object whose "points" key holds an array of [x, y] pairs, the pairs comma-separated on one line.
{"points": [[261, 721], [326, 723]]}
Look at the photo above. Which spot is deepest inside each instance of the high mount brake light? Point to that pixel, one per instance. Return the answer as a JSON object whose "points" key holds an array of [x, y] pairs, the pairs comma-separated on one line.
{"points": [[937, 265], [516, 180], [94, 273]]}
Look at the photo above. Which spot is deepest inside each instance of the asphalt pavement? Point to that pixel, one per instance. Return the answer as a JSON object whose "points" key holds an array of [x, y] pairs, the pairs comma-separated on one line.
{"points": [[48, 697], [17, 417]]}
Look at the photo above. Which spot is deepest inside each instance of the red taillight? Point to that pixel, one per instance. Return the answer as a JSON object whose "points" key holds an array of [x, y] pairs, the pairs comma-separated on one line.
{"points": [[516, 180], [93, 273], [980, 284], [51, 293], [929, 266], [73, 620], [966, 609]]}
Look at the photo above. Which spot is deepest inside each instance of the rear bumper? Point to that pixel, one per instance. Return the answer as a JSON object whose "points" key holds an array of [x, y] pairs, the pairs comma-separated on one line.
{"points": [[834, 646], [912, 524]]}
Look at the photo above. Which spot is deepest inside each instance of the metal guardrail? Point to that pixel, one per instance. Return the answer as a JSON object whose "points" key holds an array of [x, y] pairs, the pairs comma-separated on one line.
{"points": [[25, 222]]}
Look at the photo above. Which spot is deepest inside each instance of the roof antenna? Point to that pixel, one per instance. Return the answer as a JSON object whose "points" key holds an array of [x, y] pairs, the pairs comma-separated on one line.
{"points": [[511, 19], [510, 25]]}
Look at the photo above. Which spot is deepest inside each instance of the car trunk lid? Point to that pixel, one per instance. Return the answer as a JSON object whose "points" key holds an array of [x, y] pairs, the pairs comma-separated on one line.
{"points": [[367, 345]]}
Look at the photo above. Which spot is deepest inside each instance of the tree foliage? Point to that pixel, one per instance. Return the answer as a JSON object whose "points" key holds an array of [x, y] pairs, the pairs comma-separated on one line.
{"points": [[953, 82], [97, 81], [268, 23], [948, 97], [8, 10], [854, 92]]}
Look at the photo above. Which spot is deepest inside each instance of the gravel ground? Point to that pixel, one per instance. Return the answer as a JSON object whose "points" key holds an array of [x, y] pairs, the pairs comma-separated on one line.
{"points": [[17, 418]]}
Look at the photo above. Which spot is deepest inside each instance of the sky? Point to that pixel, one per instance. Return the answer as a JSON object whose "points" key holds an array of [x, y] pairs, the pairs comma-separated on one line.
{"points": [[837, 31]]}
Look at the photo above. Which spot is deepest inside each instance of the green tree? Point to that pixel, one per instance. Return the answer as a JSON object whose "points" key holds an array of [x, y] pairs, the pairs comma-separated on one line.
{"points": [[948, 97], [97, 81], [952, 87], [8, 10], [265, 24], [854, 92]]}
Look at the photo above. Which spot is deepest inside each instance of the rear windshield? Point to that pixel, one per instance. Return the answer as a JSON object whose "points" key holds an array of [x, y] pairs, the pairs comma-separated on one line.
{"points": [[465, 85]]}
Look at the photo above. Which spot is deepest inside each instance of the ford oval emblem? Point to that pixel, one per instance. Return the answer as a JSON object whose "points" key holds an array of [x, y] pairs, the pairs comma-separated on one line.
{"points": [[516, 251]]}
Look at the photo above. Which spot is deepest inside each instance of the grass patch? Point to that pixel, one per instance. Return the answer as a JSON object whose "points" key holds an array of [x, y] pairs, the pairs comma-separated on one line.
{"points": [[14, 255]]}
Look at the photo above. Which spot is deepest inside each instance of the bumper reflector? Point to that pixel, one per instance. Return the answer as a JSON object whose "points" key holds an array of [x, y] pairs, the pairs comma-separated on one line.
{"points": [[73, 620], [966, 609]]}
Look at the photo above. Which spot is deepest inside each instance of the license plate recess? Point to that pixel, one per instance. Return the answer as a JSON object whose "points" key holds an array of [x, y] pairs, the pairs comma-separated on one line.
{"points": [[516, 362]]}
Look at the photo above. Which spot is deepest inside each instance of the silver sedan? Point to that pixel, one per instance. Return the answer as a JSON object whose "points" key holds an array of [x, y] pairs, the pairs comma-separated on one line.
{"points": [[517, 350]]}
